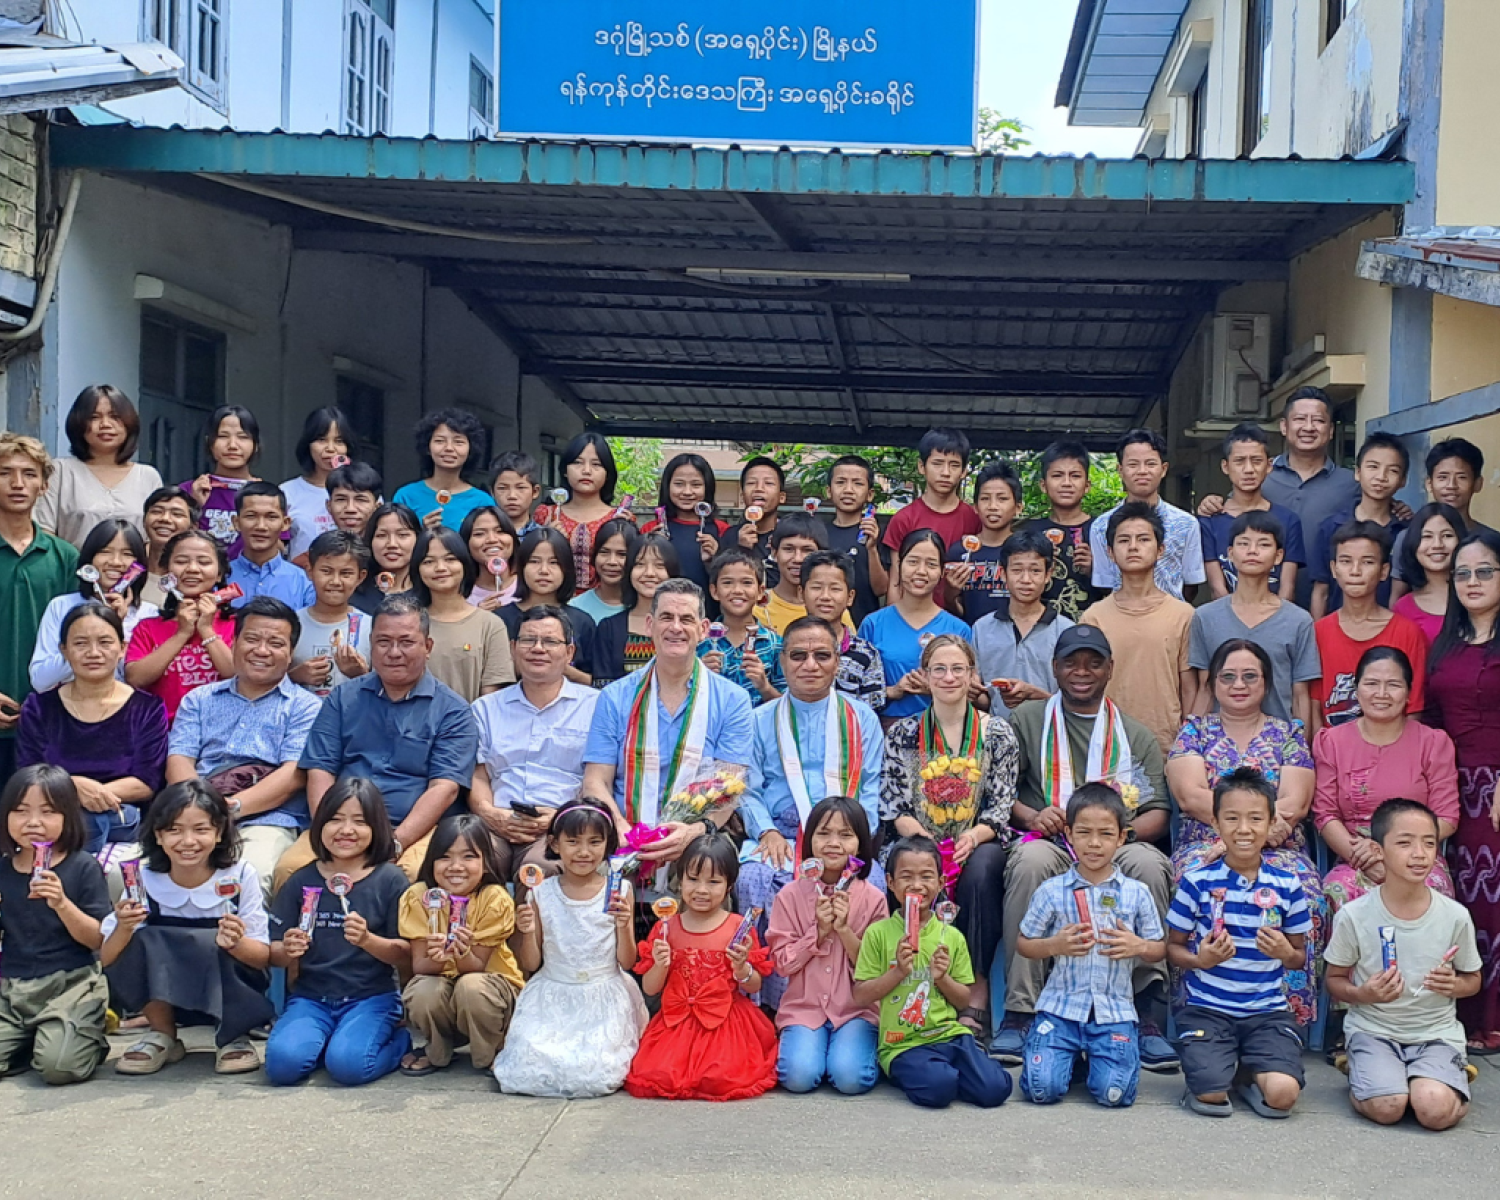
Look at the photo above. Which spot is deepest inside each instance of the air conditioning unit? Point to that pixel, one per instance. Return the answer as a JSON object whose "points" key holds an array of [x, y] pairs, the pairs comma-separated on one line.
{"points": [[1237, 368]]}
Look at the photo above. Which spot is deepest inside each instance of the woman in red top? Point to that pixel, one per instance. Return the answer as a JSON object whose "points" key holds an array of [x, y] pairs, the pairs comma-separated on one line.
{"points": [[709, 1041], [588, 467]]}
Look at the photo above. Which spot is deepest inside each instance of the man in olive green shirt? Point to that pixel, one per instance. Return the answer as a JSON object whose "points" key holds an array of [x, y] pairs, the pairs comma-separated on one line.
{"points": [[35, 567]]}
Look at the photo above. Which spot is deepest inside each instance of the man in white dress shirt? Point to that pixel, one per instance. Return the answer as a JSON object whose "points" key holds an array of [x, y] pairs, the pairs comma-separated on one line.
{"points": [[531, 740]]}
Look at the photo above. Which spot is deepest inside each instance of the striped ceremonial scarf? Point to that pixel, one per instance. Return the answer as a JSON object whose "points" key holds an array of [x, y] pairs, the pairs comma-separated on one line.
{"points": [[1109, 751], [645, 785], [843, 752]]}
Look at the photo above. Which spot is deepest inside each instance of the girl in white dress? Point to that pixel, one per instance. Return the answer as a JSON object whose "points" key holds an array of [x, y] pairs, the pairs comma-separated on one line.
{"points": [[580, 1016]]}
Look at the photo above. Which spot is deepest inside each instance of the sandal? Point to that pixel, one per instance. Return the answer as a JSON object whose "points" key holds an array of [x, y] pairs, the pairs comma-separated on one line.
{"points": [[1483, 1045], [976, 1021], [237, 1058], [1251, 1094], [150, 1054], [413, 1071]]}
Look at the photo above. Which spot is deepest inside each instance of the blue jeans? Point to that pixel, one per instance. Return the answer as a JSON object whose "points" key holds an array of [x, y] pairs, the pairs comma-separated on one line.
{"points": [[845, 1056], [106, 827], [937, 1074], [358, 1040], [1052, 1048]]}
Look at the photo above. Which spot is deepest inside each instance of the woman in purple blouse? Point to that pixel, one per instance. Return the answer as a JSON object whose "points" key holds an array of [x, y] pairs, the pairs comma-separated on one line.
{"points": [[111, 738], [1240, 734]]}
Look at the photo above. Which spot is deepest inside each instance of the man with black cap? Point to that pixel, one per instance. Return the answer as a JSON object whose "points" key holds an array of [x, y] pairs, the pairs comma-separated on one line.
{"points": [[1078, 736]]}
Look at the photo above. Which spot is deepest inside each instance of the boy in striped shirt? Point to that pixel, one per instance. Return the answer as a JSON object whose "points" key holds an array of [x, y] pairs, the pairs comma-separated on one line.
{"points": [[1235, 926]]}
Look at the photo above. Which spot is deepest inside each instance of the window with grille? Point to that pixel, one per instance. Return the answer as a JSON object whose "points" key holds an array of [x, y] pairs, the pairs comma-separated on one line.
{"points": [[197, 31], [182, 382], [369, 54]]}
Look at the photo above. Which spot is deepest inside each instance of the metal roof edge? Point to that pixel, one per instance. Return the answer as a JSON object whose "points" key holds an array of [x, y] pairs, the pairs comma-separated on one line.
{"points": [[684, 168], [1079, 43]]}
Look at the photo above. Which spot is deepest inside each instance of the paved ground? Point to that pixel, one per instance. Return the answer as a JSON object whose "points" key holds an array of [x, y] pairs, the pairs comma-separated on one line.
{"points": [[189, 1134]]}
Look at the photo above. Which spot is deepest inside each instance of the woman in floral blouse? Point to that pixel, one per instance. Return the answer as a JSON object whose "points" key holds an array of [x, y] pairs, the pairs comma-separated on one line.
{"points": [[950, 774], [1240, 734]]}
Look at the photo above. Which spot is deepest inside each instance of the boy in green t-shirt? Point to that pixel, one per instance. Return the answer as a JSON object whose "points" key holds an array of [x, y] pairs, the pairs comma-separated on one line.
{"points": [[920, 990]]}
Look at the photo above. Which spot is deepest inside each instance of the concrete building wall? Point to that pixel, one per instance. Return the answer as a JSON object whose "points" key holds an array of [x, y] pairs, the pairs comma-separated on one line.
{"points": [[295, 313]]}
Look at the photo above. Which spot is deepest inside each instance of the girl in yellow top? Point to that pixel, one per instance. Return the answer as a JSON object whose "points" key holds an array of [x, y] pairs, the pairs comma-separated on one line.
{"points": [[465, 980]]}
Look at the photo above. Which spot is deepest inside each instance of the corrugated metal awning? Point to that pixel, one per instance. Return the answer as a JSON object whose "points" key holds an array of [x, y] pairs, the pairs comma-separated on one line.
{"points": [[740, 295], [56, 75]]}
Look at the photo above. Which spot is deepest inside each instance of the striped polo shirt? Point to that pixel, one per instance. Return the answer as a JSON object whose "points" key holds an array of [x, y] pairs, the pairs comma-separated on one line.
{"points": [[1249, 982]]}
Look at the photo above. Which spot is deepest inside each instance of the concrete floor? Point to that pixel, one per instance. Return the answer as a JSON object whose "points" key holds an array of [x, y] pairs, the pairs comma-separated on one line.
{"points": [[187, 1134]]}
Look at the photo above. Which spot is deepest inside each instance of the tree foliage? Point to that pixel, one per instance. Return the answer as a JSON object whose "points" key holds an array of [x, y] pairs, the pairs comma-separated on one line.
{"points": [[1000, 135], [639, 461]]}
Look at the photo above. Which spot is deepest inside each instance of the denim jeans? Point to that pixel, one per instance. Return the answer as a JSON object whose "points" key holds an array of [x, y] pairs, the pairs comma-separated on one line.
{"points": [[845, 1056], [357, 1040], [1053, 1046], [937, 1074]]}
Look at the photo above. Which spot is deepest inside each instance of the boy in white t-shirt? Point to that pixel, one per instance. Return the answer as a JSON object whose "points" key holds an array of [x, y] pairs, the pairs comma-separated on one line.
{"points": [[1414, 954], [334, 644]]}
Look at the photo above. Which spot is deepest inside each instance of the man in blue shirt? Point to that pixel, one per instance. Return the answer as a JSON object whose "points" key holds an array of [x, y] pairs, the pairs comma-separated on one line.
{"points": [[261, 519], [687, 716], [415, 737], [246, 733]]}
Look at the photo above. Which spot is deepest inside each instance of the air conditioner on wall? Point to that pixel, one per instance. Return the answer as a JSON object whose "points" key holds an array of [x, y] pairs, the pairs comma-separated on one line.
{"points": [[1237, 368]]}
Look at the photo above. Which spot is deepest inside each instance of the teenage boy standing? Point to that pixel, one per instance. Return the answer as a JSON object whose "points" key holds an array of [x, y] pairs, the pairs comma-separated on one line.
{"points": [[1361, 561], [1380, 470], [1247, 463], [1147, 628], [975, 578], [1064, 475], [762, 487], [942, 462], [35, 567], [1017, 642], [851, 487], [260, 518], [1455, 475], [1142, 455]]}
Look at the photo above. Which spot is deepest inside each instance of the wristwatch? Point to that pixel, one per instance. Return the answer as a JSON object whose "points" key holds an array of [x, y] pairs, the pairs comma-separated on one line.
{"points": [[709, 828]]}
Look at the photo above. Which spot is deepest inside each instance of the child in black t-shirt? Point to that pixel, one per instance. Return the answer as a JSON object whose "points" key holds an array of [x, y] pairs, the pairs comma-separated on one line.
{"points": [[976, 578], [52, 898], [1065, 482]]}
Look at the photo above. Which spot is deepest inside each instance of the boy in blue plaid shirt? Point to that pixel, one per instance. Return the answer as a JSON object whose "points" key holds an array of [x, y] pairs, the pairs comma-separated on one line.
{"points": [[1097, 925]]}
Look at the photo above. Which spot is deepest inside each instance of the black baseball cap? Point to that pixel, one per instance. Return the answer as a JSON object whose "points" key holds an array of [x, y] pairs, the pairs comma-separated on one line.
{"points": [[1082, 637]]}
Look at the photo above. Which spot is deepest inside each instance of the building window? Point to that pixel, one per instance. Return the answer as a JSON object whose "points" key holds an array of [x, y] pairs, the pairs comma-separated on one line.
{"points": [[365, 404], [481, 99], [182, 382], [1198, 119], [1334, 13], [197, 32], [369, 44], [1257, 114]]}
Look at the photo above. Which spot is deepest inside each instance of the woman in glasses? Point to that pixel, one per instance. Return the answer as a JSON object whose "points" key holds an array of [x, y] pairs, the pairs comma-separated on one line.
{"points": [[1463, 699], [1240, 733]]}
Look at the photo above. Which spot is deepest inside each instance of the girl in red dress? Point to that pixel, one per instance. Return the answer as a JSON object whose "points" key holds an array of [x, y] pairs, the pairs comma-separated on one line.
{"points": [[709, 1041]]}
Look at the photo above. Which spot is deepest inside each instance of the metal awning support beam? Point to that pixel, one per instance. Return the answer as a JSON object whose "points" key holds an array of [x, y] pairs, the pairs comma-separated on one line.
{"points": [[998, 438], [794, 379], [518, 346], [792, 264]]}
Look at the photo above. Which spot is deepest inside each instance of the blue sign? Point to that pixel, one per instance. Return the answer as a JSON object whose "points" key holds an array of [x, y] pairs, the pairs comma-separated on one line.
{"points": [[845, 73]]}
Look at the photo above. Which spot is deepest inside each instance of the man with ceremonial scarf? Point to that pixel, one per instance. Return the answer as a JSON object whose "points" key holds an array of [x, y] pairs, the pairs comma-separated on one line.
{"points": [[1079, 736], [810, 744], [654, 730]]}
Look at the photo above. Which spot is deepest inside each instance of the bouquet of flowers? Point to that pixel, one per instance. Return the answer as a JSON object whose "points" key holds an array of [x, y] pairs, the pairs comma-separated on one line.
{"points": [[1134, 787], [716, 789], [950, 802]]}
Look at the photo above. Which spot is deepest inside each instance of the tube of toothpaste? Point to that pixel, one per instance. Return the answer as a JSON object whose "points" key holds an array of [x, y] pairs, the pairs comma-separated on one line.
{"points": [[130, 875], [1387, 946], [612, 888], [41, 860], [458, 914], [1216, 900], [912, 911]]}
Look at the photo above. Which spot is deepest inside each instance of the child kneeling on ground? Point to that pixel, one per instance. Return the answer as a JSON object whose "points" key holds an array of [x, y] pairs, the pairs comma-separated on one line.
{"points": [[465, 980], [920, 990], [1095, 924], [1236, 925], [1415, 954]]}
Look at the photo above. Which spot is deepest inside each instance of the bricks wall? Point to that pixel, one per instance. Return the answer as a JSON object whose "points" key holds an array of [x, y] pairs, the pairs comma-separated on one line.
{"points": [[18, 159]]}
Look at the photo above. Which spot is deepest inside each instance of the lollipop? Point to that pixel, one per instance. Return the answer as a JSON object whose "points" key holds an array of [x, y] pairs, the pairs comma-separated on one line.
{"points": [[811, 505], [169, 585], [971, 545], [717, 629], [531, 876], [497, 566], [339, 885], [925, 640], [228, 891], [90, 574], [704, 510], [665, 909], [444, 496], [945, 911], [558, 496], [385, 581], [435, 901], [811, 868], [754, 513], [627, 502], [341, 460]]}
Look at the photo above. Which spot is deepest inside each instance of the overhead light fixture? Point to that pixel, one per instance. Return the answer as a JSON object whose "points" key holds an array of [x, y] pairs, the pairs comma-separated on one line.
{"points": [[720, 273]]}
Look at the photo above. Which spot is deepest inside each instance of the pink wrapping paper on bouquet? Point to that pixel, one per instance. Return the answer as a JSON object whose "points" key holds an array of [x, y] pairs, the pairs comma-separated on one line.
{"points": [[951, 866]]}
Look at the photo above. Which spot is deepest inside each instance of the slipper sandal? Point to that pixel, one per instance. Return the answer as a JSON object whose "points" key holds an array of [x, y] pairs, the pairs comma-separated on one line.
{"points": [[980, 1018], [237, 1058], [1484, 1046], [1204, 1109], [416, 1072], [1471, 1071], [1251, 1094], [154, 1051]]}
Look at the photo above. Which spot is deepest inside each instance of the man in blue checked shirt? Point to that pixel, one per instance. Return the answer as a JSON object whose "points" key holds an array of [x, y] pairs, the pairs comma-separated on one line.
{"points": [[1096, 924], [1236, 926]]}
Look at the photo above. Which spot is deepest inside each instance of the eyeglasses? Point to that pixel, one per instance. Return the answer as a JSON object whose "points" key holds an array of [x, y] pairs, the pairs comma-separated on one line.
{"points": [[1230, 678], [1483, 574], [821, 656], [945, 671], [546, 643]]}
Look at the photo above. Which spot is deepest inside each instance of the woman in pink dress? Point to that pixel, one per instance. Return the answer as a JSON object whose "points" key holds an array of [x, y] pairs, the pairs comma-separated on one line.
{"points": [[1426, 562], [1379, 756], [1463, 699]]}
